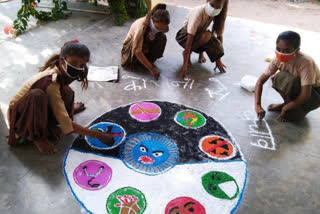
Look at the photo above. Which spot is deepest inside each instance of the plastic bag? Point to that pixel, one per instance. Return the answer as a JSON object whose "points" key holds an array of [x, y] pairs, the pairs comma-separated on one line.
{"points": [[248, 82]]}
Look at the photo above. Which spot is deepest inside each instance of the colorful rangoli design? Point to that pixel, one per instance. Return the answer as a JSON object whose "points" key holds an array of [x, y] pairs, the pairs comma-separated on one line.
{"points": [[184, 205], [145, 111], [92, 175], [167, 159], [126, 200], [220, 185], [217, 147], [149, 153], [115, 131], [190, 119]]}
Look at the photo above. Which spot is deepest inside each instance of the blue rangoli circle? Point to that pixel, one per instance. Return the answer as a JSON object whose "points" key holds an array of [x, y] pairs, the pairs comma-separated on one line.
{"points": [[149, 153], [115, 130]]}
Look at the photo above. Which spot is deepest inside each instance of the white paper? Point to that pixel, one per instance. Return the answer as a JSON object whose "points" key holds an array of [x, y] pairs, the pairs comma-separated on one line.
{"points": [[101, 74]]}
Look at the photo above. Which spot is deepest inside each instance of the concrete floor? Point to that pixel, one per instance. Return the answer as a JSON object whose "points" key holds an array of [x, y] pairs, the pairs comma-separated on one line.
{"points": [[283, 180]]}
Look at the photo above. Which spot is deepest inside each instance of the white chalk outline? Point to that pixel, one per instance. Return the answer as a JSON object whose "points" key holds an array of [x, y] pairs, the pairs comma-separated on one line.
{"points": [[186, 84], [257, 134]]}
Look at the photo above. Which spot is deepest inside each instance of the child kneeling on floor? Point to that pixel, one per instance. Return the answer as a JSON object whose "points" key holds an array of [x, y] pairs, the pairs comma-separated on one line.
{"points": [[298, 80], [146, 40], [45, 101]]}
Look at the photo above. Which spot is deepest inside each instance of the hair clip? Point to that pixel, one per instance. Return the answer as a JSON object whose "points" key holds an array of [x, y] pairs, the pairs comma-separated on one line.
{"points": [[75, 40]]}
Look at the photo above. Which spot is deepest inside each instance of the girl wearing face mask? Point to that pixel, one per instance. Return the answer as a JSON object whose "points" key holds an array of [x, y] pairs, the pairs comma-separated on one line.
{"points": [[296, 78], [44, 106], [146, 41], [194, 36]]}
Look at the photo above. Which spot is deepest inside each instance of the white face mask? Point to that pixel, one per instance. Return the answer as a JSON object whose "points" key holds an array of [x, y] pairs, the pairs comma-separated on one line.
{"points": [[153, 31], [211, 11]]}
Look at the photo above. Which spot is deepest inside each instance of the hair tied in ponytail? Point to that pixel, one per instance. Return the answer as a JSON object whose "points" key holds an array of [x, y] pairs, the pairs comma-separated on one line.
{"points": [[162, 7], [160, 14], [158, 7]]}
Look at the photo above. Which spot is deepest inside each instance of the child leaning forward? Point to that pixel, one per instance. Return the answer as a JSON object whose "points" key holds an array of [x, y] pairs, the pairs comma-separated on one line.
{"points": [[298, 80], [45, 101]]}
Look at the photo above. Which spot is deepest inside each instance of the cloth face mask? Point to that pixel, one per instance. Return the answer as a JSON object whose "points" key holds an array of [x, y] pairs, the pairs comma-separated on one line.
{"points": [[153, 31], [211, 11], [71, 71], [282, 57]]}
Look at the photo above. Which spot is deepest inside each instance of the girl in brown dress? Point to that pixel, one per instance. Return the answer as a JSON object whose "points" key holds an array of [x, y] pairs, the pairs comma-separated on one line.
{"points": [[194, 36], [146, 41], [44, 105], [295, 76]]}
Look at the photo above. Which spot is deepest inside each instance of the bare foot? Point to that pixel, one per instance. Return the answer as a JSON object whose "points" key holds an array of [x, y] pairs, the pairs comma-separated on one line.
{"points": [[275, 107], [45, 147], [202, 58], [78, 107]]}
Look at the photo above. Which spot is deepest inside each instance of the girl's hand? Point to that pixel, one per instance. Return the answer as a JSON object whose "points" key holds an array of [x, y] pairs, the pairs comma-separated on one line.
{"points": [[220, 66], [155, 73], [105, 138], [260, 112]]}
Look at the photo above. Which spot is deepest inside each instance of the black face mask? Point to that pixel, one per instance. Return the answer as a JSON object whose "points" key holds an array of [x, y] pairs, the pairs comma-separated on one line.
{"points": [[73, 72]]}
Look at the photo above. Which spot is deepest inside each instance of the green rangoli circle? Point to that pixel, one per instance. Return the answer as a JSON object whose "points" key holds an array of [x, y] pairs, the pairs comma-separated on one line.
{"points": [[125, 200], [214, 183], [190, 119]]}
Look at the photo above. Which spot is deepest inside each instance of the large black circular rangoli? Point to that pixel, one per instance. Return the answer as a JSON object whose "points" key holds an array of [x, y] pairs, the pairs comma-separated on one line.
{"points": [[158, 146], [167, 124]]}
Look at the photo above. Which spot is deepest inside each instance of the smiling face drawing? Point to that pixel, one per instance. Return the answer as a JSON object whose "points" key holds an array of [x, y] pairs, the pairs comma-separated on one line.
{"points": [[184, 205], [150, 153]]}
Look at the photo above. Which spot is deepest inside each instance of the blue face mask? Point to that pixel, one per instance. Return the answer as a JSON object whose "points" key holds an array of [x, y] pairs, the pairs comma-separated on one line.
{"points": [[73, 72]]}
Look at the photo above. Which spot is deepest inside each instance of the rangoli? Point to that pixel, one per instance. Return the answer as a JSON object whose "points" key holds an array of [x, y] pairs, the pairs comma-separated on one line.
{"points": [[167, 159]]}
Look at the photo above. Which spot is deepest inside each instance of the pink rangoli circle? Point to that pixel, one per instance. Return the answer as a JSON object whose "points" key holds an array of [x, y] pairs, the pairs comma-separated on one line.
{"points": [[144, 111], [92, 175]]}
